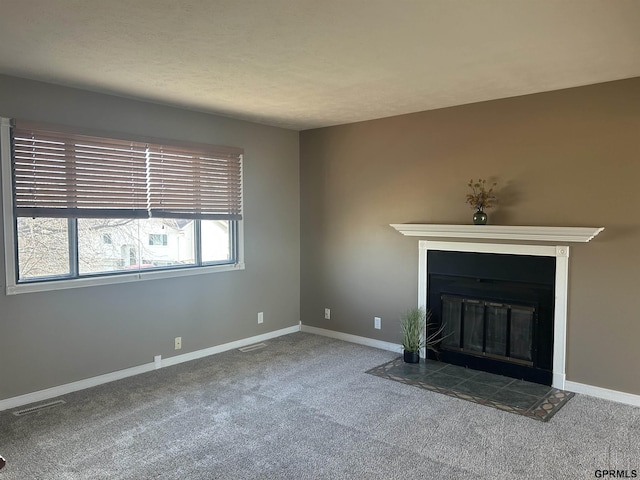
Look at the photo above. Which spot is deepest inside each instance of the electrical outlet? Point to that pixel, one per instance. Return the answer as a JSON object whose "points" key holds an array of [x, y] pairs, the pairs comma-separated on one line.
{"points": [[178, 343], [327, 314], [260, 317], [377, 323]]}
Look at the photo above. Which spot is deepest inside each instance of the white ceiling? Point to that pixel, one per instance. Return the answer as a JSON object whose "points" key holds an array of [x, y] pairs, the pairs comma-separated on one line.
{"points": [[310, 63]]}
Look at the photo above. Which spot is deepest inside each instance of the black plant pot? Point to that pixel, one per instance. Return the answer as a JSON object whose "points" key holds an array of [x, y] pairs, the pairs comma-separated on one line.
{"points": [[411, 357]]}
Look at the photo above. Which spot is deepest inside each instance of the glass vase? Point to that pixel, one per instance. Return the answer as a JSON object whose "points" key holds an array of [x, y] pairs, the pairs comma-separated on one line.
{"points": [[479, 218]]}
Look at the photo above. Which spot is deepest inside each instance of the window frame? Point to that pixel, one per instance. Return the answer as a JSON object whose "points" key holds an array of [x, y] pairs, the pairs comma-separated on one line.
{"points": [[9, 219], [162, 237]]}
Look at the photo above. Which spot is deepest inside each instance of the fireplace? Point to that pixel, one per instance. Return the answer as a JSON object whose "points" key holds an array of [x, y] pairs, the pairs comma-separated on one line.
{"points": [[496, 311], [478, 235]]}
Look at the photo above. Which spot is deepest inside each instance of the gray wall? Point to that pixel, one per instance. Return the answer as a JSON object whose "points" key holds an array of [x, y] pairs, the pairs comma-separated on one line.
{"points": [[561, 158], [564, 158], [52, 338]]}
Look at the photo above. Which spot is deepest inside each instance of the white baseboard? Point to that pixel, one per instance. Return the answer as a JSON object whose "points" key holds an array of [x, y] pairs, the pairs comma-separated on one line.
{"points": [[347, 337], [613, 395], [46, 394], [558, 380], [166, 362], [53, 392], [599, 392]]}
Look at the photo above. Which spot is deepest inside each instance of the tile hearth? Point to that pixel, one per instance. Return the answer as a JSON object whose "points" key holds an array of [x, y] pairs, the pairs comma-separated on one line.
{"points": [[532, 400]]}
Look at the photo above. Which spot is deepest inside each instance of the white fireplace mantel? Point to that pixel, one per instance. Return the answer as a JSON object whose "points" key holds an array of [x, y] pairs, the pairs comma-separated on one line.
{"points": [[499, 232], [509, 233]]}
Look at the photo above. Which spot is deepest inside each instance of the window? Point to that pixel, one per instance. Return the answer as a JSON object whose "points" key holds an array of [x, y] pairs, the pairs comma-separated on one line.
{"points": [[89, 206], [158, 239]]}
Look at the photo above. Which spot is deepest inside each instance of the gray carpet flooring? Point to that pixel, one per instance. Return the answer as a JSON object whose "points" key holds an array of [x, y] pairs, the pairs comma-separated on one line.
{"points": [[303, 407]]}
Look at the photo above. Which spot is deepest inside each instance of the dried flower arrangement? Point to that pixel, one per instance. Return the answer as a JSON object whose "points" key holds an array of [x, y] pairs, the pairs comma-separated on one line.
{"points": [[481, 198]]}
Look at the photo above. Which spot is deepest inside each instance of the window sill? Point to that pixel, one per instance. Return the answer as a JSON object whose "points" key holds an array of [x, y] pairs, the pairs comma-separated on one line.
{"points": [[141, 275]]}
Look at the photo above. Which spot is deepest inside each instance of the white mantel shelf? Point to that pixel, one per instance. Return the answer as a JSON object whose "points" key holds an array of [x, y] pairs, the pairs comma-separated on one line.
{"points": [[499, 232]]}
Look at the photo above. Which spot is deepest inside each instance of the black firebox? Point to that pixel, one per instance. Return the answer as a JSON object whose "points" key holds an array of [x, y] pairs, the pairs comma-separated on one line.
{"points": [[497, 312]]}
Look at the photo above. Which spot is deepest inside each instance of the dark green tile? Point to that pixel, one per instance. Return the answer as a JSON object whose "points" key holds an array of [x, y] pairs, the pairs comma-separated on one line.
{"points": [[442, 380], [476, 389], [415, 371], [460, 372], [493, 380], [416, 376], [403, 369], [479, 387], [431, 366], [530, 388], [514, 399]]}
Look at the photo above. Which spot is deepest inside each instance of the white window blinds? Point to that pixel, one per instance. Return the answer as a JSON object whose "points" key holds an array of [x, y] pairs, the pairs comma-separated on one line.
{"points": [[61, 174]]}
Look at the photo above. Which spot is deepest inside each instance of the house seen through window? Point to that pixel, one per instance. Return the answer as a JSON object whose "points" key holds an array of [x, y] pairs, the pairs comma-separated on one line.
{"points": [[90, 206]]}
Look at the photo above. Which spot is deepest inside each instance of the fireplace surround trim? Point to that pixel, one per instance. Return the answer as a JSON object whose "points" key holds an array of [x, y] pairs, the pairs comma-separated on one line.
{"points": [[499, 232], [560, 252]]}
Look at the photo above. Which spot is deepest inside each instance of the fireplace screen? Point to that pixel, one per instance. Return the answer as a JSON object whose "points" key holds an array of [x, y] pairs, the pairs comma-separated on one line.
{"points": [[497, 330]]}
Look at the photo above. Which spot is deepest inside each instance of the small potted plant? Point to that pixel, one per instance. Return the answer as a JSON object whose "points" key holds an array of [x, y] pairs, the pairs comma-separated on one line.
{"points": [[480, 198], [414, 334]]}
